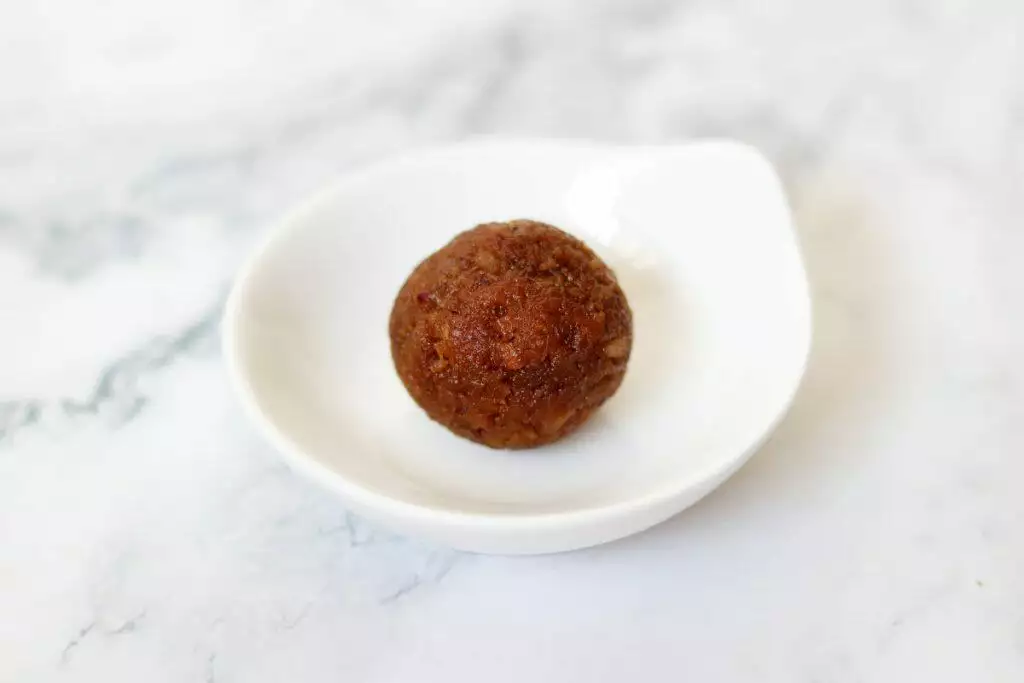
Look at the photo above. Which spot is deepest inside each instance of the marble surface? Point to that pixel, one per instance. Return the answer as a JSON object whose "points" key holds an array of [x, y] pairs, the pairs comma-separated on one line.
{"points": [[147, 533]]}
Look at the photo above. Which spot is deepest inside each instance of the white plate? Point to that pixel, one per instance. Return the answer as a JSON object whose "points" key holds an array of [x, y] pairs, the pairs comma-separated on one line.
{"points": [[702, 241]]}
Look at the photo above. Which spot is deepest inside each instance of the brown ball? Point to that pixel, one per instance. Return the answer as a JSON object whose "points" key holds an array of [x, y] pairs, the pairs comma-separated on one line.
{"points": [[512, 334]]}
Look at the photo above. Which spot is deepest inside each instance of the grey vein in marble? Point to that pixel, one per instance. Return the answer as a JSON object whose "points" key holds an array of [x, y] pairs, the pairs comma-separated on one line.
{"points": [[72, 247], [93, 629], [116, 396], [65, 655], [437, 567]]}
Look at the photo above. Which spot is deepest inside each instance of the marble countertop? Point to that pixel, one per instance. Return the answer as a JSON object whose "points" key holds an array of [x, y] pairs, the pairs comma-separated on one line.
{"points": [[148, 534]]}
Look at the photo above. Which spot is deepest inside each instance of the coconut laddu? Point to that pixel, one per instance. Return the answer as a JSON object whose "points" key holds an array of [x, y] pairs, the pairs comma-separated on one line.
{"points": [[512, 334]]}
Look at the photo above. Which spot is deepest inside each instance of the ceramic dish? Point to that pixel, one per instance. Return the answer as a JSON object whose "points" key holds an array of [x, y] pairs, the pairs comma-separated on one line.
{"points": [[702, 241]]}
